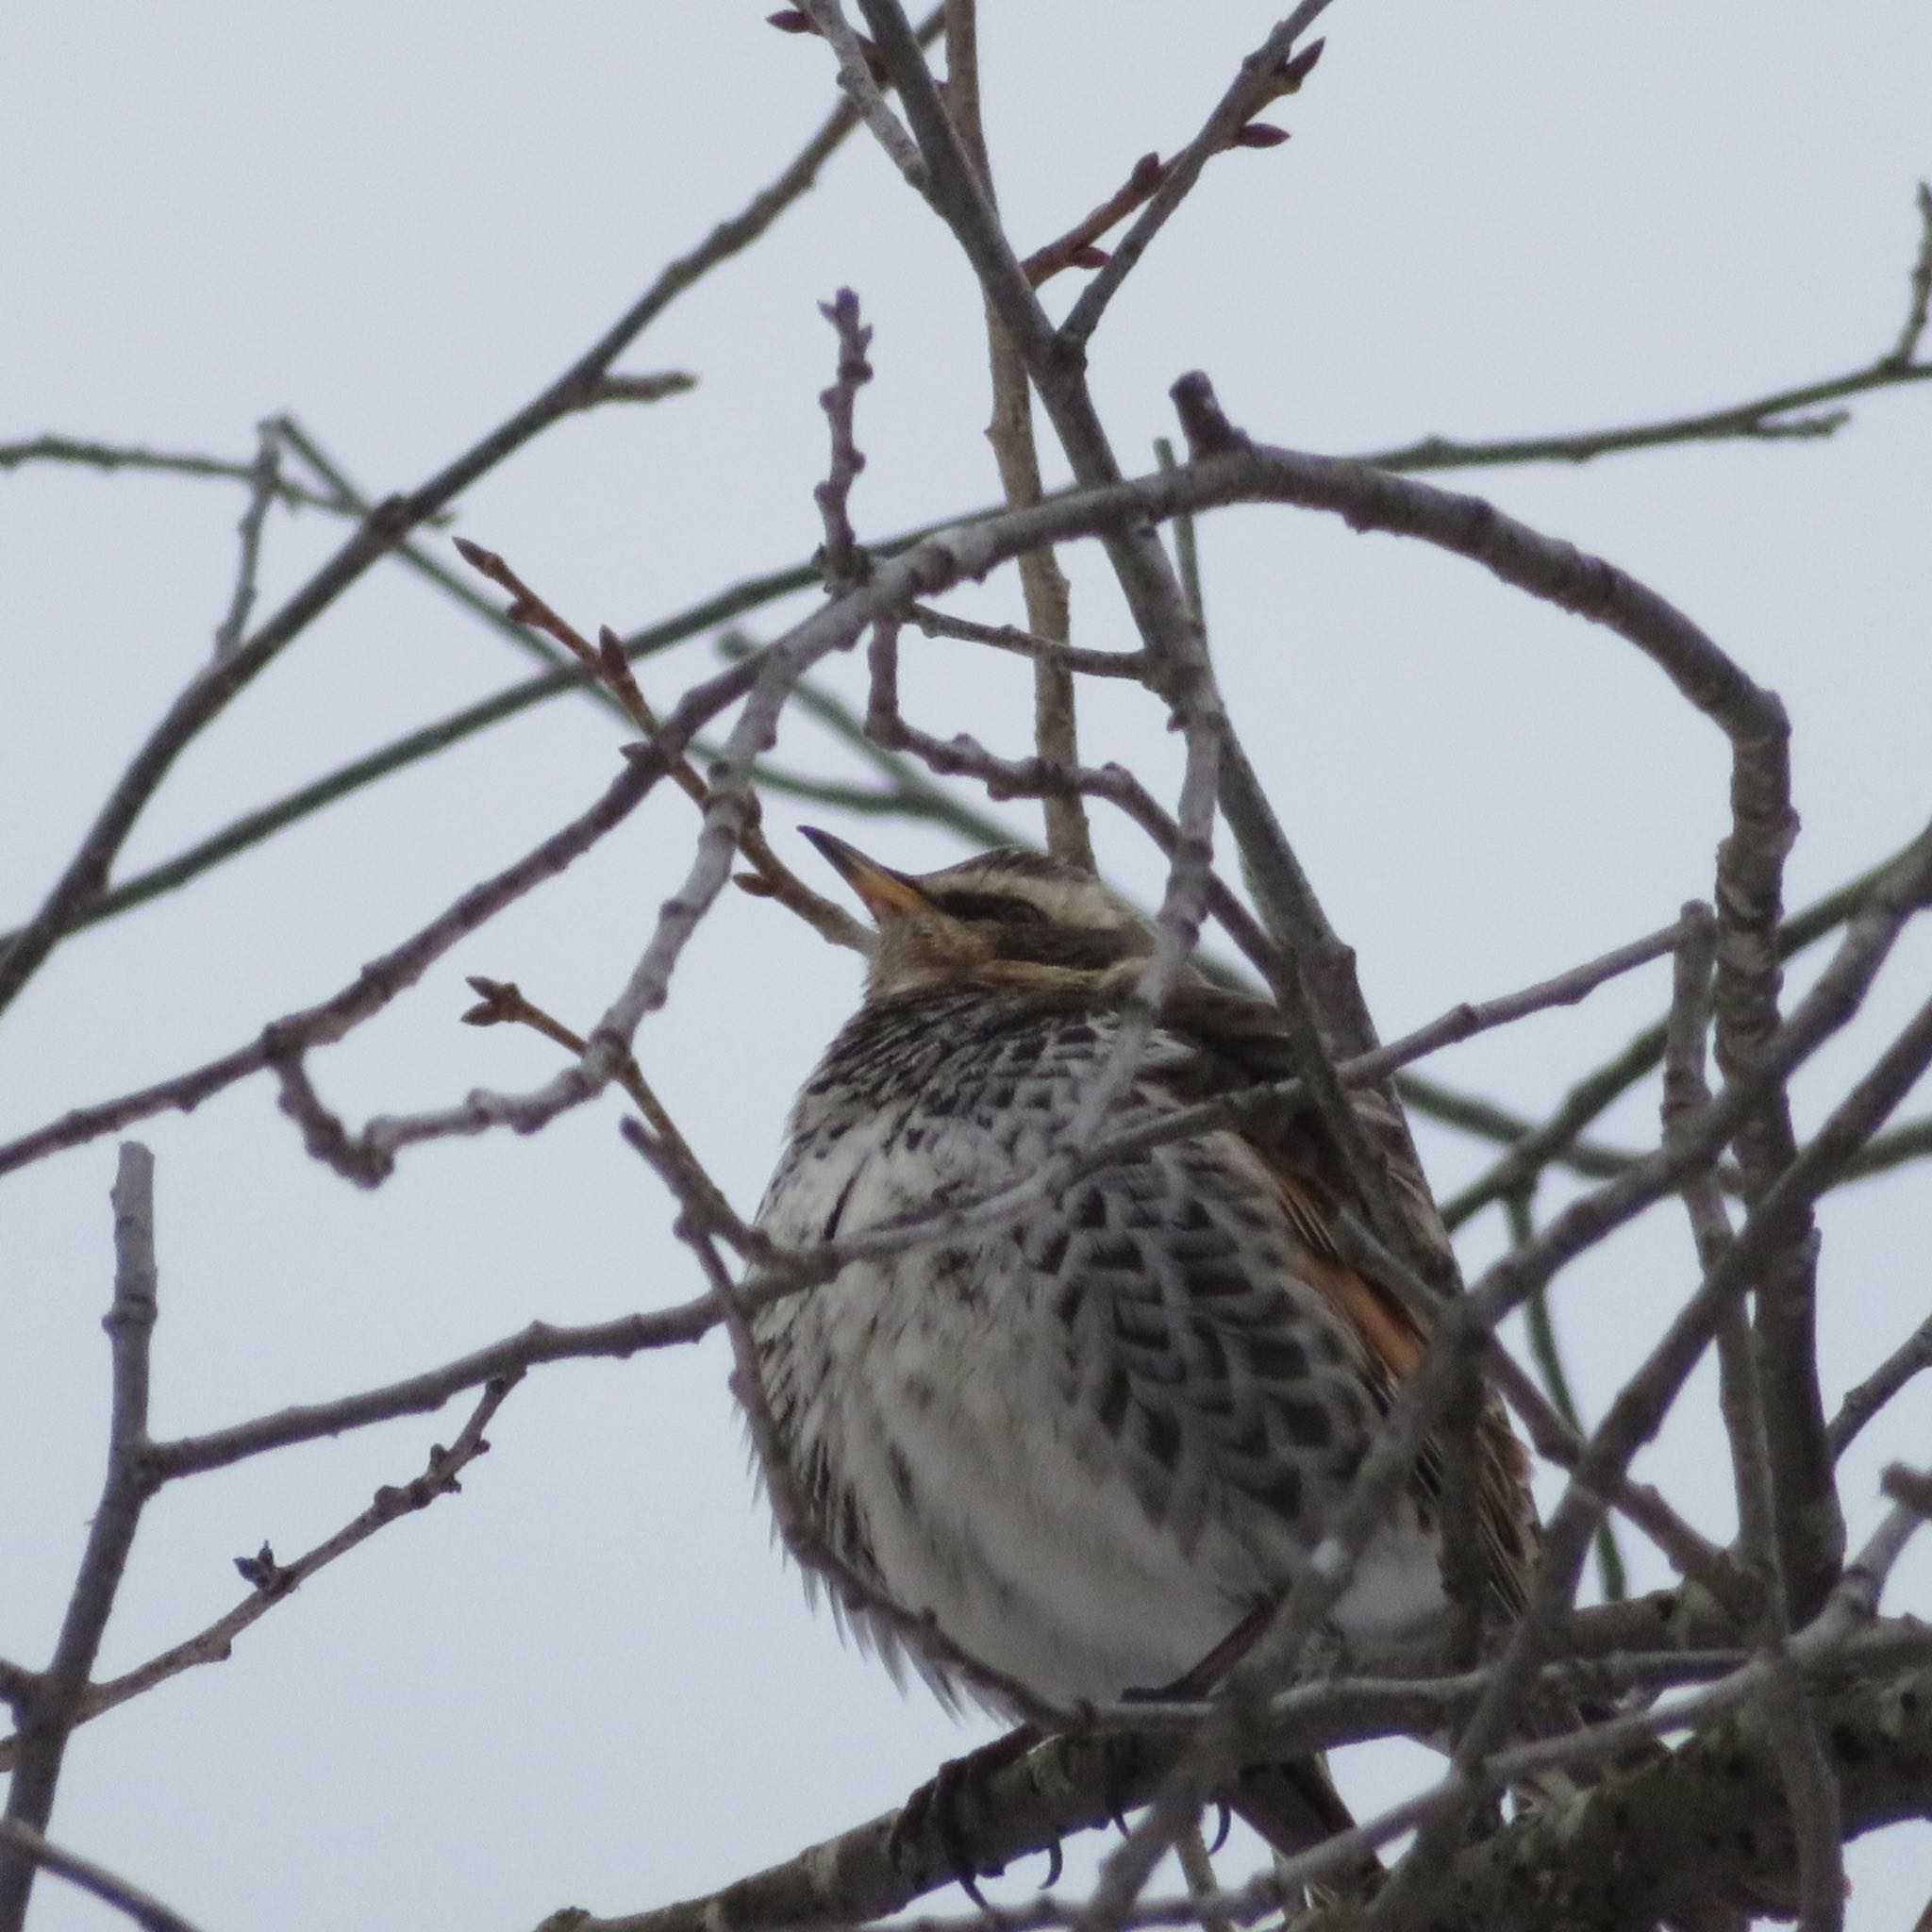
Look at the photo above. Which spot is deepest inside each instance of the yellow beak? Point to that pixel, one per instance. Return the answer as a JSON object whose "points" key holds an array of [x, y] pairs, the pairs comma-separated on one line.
{"points": [[885, 893]]}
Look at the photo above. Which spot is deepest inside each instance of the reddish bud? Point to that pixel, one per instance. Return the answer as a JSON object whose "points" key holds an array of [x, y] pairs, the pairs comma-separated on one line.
{"points": [[1297, 67], [1259, 134], [790, 22]]}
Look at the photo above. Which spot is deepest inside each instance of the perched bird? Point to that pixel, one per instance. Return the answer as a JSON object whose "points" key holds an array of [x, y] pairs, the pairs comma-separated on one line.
{"points": [[1089, 1446]]}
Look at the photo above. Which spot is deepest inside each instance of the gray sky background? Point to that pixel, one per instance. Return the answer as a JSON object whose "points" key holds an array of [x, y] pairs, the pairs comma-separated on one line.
{"points": [[590, 1678]]}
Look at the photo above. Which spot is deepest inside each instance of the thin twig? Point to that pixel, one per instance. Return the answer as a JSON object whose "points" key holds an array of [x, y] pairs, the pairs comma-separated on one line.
{"points": [[910, 796], [1920, 301], [1553, 1142], [1076, 247], [1634, 1414], [1187, 549], [1027, 644], [1556, 1438], [1273, 69], [638, 389], [1062, 1787], [107, 456], [428, 564], [274, 1581], [1197, 1868], [1632, 1420], [1464, 1111], [855, 1590], [1512, 552], [1548, 1356], [1911, 1358], [772, 877], [48, 1717], [1010, 431], [264, 487], [1810, 1790], [841, 560], [856, 60], [208, 695], [1763, 418]]}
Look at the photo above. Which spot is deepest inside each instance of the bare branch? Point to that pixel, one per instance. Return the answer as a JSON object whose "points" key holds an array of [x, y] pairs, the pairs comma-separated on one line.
{"points": [[274, 1582], [48, 1716], [856, 59], [1371, 500], [1557, 1438], [1911, 1358], [1010, 431], [1187, 552], [1272, 69], [841, 560], [772, 877], [1914, 328], [107, 455], [1632, 1420], [1026, 643], [264, 487], [1553, 1142], [208, 693], [1811, 1790], [910, 796], [16, 1683], [1548, 1356], [500, 1361], [1763, 418], [1068, 1784], [809, 1550], [122, 1894], [1545, 1142], [543, 1342], [1768, 418], [638, 389], [1076, 248]]}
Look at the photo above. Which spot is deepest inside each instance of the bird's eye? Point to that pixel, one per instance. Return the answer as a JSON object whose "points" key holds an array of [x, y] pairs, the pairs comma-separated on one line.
{"points": [[1000, 908]]}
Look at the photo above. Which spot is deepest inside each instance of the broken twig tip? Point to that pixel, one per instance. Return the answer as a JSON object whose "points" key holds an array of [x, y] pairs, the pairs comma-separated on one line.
{"points": [[1203, 423]]}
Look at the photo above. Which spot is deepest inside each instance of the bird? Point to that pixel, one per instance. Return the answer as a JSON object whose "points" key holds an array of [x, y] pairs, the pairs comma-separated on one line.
{"points": [[1090, 1447]]}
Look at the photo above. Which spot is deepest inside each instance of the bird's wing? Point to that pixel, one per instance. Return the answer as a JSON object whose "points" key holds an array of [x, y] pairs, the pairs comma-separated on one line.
{"points": [[1215, 1043]]}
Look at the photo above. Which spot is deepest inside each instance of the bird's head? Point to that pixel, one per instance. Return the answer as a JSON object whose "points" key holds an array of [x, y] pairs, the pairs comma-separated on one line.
{"points": [[1007, 917]]}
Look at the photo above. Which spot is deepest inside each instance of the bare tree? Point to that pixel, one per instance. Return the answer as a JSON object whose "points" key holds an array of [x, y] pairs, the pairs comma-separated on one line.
{"points": [[1701, 1752]]}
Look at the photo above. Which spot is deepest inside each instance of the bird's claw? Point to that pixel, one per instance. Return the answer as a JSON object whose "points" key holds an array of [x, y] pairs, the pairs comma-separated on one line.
{"points": [[939, 1806]]}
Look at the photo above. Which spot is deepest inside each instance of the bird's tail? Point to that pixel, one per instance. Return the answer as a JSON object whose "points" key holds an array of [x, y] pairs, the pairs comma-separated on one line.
{"points": [[1296, 1806]]}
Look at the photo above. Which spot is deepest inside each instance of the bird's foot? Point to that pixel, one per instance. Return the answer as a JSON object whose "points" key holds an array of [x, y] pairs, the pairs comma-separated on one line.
{"points": [[942, 1808]]}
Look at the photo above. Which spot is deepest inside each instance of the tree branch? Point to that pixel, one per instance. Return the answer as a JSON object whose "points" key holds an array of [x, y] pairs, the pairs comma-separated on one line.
{"points": [[274, 1582], [209, 692], [47, 1718], [122, 1894]]}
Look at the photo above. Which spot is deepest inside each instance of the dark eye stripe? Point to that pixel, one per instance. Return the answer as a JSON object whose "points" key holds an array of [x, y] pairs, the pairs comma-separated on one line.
{"points": [[1007, 908]]}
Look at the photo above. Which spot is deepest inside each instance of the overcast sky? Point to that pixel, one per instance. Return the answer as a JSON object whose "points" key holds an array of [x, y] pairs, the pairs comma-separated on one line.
{"points": [[590, 1678]]}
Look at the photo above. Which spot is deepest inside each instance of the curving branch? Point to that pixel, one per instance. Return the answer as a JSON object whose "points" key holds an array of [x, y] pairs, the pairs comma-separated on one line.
{"points": [[130, 1900]]}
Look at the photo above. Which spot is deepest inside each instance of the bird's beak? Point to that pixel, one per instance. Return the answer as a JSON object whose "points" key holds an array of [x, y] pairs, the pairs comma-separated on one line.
{"points": [[885, 893]]}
